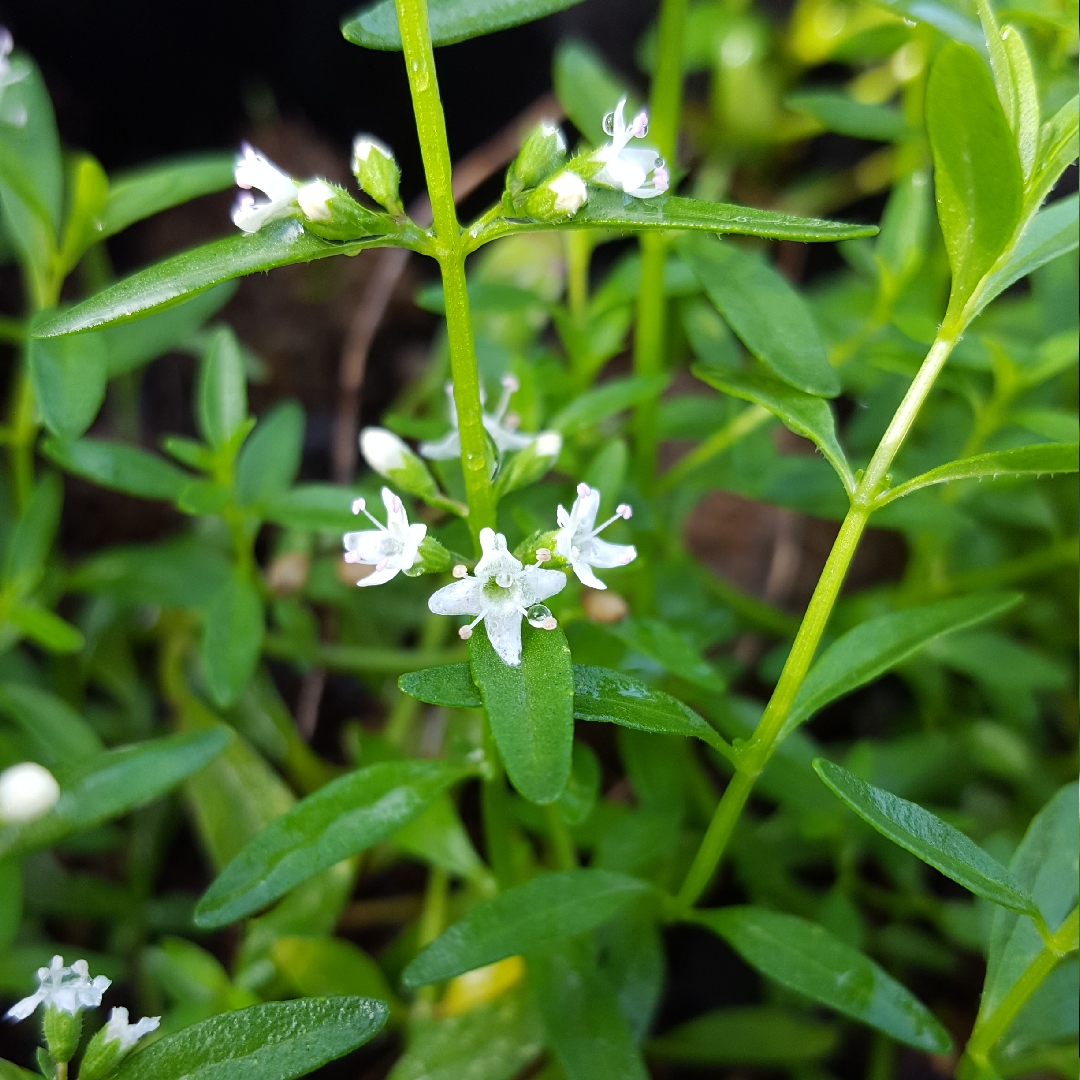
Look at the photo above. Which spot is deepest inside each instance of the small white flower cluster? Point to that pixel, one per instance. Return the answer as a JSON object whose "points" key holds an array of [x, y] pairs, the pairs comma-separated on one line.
{"points": [[501, 590], [283, 193]]}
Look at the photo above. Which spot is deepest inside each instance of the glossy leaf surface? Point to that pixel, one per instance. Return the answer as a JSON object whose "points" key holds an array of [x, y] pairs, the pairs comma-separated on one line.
{"points": [[344, 817], [846, 116], [69, 378], [806, 958], [450, 685], [119, 467], [526, 918]]}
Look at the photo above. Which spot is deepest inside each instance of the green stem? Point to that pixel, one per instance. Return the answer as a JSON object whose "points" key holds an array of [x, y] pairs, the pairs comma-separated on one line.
{"points": [[23, 434], [496, 816], [750, 419], [449, 250], [579, 245], [562, 844], [665, 105]]}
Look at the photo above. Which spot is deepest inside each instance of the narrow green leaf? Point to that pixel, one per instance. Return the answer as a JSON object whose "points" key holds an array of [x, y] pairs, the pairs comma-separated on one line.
{"points": [[606, 400], [1052, 232], [875, 646], [172, 280], [329, 967], [449, 21], [232, 637], [270, 457], [805, 414], [766, 313], [905, 229], [313, 506], [437, 836], [341, 819], [1059, 142], [1043, 459], [927, 837], [221, 397], [61, 734], [526, 918], [112, 783], [33, 536], [87, 189], [806, 958], [278, 1040], [837, 112], [150, 189], [119, 467], [450, 685], [44, 628], [10, 1071], [586, 1031], [69, 379], [976, 168], [754, 1035], [601, 694], [530, 708], [658, 641]]}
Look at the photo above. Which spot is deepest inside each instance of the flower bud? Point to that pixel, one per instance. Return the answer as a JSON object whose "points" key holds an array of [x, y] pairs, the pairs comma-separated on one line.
{"points": [[543, 152], [392, 458], [377, 172], [432, 558], [332, 213], [529, 465], [113, 1043], [559, 198], [62, 1033], [27, 791]]}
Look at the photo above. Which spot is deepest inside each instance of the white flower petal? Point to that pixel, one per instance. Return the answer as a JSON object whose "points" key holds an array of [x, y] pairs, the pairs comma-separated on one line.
{"points": [[444, 449], [504, 632], [397, 520], [538, 584], [22, 1009], [600, 553], [584, 574], [381, 577], [367, 546], [584, 511], [464, 597]]}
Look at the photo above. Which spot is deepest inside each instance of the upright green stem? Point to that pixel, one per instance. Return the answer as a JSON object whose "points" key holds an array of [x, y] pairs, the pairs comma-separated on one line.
{"points": [[449, 250], [23, 428], [665, 105]]}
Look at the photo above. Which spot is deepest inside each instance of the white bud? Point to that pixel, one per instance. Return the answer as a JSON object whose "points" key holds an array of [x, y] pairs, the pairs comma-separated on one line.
{"points": [[548, 444], [27, 791], [314, 200], [570, 192], [383, 450]]}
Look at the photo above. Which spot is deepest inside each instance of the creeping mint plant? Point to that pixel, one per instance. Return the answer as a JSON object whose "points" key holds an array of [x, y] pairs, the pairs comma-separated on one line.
{"points": [[599, 786]]}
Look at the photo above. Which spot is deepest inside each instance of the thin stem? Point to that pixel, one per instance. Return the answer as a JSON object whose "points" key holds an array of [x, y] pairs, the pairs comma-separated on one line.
{"points": [[747, 421], [449, 250], [496, 815], [23, 434], [579, 245], [665, 105], [562, 844]]}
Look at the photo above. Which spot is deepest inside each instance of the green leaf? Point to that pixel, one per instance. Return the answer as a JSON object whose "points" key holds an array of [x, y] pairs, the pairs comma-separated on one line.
{"points": [[766, 313], [150, 189], [1052, 232], [437, 836], [1059, 142], [112, 783], [526, 918], [328, 967], [222, 392], [613, 210], [750, 1035], [62, 736], [976, 168], [232, 637], [578, 799], [119, 467], [33, 536], [278, 1040], [805, 414], [586, 1031], [601, 694], [658, 641], [529, 465], [1045, 865], [173, 280], [806, 958], [587, 88], [341, 819], [530, 708], [905, 230], [450, 685], [449, 21], [313, 506], [130, 345], [875, 646], [11, 1071], [606, 400], [837, 112], [270, 457], [46, 629], [927, 837], [11, 903], [1044, 459], [87, 189], [69, 378]]}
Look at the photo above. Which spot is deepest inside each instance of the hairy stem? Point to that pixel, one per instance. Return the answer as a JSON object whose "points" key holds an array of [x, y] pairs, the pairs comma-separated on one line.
{"points": [[449, 250]]}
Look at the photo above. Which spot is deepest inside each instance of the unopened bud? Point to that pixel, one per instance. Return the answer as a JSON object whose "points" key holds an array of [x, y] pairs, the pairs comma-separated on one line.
{"points": [[27, 791], [377, 172], [559, 198], [392, 458], [332, 213], [543, 152]]}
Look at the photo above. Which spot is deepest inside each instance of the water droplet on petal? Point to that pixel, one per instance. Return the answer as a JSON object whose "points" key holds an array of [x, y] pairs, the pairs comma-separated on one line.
{"points": [[609, 124], [504, 579]]}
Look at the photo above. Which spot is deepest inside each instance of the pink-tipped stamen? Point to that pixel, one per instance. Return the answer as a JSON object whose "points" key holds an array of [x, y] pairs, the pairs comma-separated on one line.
{"points": [[583, 490], [622, 513]]}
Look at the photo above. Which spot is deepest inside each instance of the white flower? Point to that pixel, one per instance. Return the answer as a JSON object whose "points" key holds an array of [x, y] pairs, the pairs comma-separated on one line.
{"points": [[639, 171], [127, 1035], [68, 989], [571, 194], [27, 791], [10, 74], [253, 170], [500, 426], [314, 200], [390, 547], [576, 540], [362, 147], [500, 592]]}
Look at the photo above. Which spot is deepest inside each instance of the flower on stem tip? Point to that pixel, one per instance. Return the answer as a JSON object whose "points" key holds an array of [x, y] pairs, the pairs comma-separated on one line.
{"points": [[66, 989], [577, 539], [500, 425], [118, 1029], [500, 592], [390, 548], [639, 171]]}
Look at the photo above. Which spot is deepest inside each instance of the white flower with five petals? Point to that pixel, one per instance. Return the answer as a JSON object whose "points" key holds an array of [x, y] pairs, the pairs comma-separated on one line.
{"points": [[118, 1029], [500, 425], [637, 170], [390, 548], [577, 539], [67, 989], [501, 592]]}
